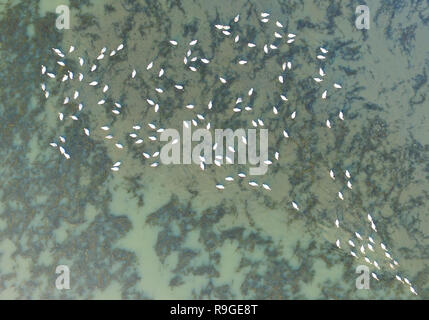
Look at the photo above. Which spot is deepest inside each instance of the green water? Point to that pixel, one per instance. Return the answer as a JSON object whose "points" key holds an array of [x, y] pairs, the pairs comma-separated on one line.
{"points": [[167, 232]]}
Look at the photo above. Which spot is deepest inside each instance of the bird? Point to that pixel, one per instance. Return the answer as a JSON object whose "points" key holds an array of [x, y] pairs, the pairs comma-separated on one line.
{"points": [[295, 206]]}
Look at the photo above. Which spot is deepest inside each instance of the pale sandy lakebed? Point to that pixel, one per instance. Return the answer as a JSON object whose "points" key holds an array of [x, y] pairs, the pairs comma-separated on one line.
{"points": [[167, 232]]}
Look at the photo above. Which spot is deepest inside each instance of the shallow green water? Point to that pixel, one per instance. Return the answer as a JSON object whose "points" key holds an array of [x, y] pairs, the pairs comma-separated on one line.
{"points": [[167, 232]]}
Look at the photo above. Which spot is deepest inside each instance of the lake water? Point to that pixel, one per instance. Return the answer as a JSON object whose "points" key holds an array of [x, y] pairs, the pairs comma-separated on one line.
{"points": [[167, 232]]}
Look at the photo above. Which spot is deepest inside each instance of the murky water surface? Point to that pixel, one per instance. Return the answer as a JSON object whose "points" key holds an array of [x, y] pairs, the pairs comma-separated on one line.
{"points": [[167, 232]]}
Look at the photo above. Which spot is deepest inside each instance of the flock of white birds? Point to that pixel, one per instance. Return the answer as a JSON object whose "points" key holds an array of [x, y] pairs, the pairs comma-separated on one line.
{"points": [[359, 247]]}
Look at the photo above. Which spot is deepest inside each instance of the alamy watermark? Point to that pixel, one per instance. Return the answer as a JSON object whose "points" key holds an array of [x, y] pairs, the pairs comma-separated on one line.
{"points": [[63, 280], [362, 281], [362, 20], [63, 20], [239, 144]]}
